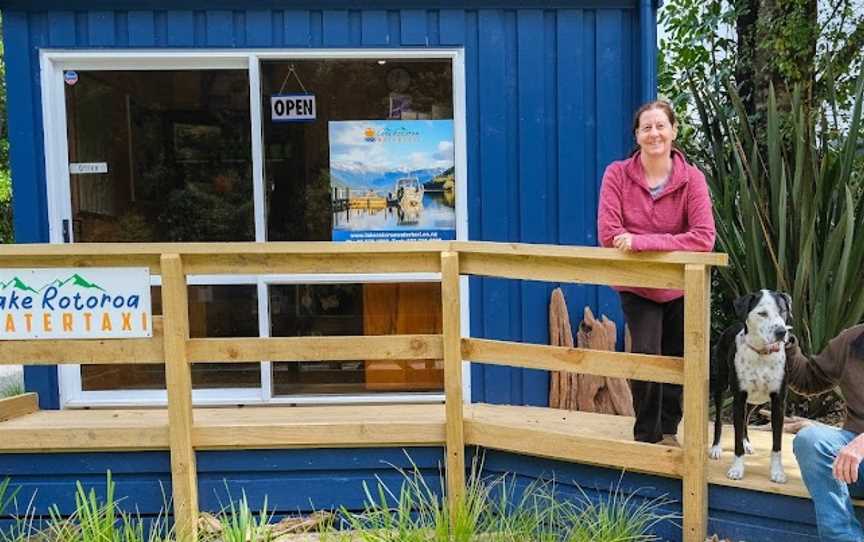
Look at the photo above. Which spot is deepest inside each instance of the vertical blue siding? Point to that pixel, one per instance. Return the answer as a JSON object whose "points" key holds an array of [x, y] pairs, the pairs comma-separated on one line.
{"points": [[61, 28], [335, 28], [494, 181], [297, 31], [612, 116], [452, 26], [220, 28], [180, 28], [413, 26], [259, 28], [534, 196], [374, 28], [102, 32], [549, 93], [23, 34]]}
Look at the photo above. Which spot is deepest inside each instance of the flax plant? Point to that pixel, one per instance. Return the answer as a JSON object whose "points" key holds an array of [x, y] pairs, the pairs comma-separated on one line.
{"points": [[494, 510], [100, 520], [240, 524], [789, 209]]}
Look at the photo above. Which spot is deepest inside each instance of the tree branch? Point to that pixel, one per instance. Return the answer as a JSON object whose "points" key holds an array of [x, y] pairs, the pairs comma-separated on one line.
{"points": [[843, 58]]}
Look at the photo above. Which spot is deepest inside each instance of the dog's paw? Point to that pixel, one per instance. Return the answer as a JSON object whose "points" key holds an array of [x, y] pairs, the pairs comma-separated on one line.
{"points": [[748, 448], [778, 475], [736, 471], [714, 452]]}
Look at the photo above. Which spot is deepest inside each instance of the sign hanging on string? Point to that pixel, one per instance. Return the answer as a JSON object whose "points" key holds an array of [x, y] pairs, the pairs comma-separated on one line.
{"points": [[292, 107]]}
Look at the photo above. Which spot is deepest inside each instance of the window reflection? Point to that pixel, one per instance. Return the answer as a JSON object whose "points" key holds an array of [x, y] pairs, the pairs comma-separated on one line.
{"points": [[175, 146]]}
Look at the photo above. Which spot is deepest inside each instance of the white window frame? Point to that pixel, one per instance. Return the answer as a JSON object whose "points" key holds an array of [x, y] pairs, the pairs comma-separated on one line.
{"points": [[52, 65]]}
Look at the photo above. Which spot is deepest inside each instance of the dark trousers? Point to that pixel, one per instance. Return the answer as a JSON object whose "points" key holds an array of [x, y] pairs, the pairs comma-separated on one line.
{"points": [[655, 328]]}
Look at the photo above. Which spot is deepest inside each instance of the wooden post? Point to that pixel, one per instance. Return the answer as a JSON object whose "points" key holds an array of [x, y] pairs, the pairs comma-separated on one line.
{"points": [[451, 328], [178, 381], [697, 306]]}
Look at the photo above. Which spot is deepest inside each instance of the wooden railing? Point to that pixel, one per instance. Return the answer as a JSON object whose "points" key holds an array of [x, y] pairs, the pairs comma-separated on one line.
{"points": [[171, 342]]}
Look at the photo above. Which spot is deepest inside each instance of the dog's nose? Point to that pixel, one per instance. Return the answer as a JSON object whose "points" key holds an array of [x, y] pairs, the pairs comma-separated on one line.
{"points": [[780, 333]]}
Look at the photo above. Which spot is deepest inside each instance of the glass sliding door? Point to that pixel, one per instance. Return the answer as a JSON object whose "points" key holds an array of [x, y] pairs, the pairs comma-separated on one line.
{"points": [[184, 146], [165, 156]]}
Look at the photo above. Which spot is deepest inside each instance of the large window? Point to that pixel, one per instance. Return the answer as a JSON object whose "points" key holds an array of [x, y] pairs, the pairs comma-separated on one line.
{"points": [[174, 150]]}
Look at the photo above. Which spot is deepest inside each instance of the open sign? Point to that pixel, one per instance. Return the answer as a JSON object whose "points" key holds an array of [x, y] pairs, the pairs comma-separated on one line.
{"points": [[292, 108]]}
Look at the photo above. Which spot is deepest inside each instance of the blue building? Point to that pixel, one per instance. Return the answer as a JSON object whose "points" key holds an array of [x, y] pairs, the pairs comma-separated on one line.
{"points": [[150, 120]]}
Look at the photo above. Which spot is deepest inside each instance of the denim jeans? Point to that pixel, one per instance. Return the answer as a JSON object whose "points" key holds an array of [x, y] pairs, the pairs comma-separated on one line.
{"points": [[815, 448]]}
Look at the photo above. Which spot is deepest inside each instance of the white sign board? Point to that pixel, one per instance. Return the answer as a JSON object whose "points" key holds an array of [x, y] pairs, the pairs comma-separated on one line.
{"points": [[83, 168], [292, 108], [75, 303]]}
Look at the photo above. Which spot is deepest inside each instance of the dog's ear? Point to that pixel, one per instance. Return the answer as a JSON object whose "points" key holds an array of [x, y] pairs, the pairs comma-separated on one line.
{"points": [[744, 304]]}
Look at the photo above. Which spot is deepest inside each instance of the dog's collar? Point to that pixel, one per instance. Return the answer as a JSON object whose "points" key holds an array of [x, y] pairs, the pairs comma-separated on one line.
{"points": [[771, 349]]}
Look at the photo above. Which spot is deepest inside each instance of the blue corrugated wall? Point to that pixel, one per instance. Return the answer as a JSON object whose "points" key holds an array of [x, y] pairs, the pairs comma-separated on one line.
{"points": [[549, 98]]}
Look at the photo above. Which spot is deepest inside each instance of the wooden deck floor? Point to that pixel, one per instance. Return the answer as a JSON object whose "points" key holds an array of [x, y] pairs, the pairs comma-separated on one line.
{"points": [[557, 434]]}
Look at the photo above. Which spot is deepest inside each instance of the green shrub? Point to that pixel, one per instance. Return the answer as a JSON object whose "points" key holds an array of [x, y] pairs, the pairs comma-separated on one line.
{"points": [[491, 511], [789, 210]]}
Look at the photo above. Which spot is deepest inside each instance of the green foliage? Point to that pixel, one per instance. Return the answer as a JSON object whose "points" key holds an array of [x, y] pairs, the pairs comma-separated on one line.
{"points": [[697, 46], [240, 524], [789, 211], [10, 387], [493, 511], [98, 520]]}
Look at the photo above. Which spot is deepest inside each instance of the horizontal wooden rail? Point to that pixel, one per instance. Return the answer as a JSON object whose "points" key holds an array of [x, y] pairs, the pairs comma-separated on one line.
{"points": [[344, 348], [303, 263], [539, 441], [31, 261], [666, 369], [205, 257], [573, 269], [235, 258], [587, 253], [85, 352]]}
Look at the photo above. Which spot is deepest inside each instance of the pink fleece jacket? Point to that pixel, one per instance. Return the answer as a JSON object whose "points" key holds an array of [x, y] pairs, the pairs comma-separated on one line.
{"points": [[679, 219]]}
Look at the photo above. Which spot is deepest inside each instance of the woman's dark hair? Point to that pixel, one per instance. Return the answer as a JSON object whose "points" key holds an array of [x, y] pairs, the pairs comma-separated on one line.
{"points": [[662, 105]]}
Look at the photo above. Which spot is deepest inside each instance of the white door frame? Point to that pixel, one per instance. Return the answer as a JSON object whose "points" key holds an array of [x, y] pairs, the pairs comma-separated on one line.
{"points": [[53, 64]]}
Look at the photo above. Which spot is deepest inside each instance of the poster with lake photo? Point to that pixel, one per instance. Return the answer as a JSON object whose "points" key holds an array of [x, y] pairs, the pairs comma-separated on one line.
{"points": [[392, 180]]}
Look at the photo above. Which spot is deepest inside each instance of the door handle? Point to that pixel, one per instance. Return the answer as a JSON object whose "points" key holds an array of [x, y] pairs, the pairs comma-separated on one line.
{"points": [[66, 230]]}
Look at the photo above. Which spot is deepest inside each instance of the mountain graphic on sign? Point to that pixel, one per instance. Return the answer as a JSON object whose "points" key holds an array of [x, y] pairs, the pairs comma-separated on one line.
{"points": [[17, 283], [75, 280]]}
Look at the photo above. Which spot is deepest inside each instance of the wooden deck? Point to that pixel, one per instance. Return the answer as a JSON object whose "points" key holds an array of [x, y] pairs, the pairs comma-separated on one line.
{"points": [[550, 433]]}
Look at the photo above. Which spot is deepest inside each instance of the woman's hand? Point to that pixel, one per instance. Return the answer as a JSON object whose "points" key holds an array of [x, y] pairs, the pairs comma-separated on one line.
{"points": [[623, 242]]}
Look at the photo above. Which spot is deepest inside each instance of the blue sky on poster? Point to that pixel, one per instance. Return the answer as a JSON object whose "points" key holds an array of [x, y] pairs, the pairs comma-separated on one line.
{"points": [[392, 145]]}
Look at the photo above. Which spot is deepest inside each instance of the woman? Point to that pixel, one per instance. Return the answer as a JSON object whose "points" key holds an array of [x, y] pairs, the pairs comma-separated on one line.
{"points": [[655, 201]]}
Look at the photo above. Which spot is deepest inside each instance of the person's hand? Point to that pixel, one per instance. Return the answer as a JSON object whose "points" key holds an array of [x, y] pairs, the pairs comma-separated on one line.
{"points": [[623, 242], [849, 460]]}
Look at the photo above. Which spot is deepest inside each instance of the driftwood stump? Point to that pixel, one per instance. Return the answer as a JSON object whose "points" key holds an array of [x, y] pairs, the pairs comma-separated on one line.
{"points": [[588, 393]]}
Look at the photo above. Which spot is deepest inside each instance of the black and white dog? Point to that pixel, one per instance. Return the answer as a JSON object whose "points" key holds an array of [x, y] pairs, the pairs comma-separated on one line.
{"points": [[750, 358]]}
